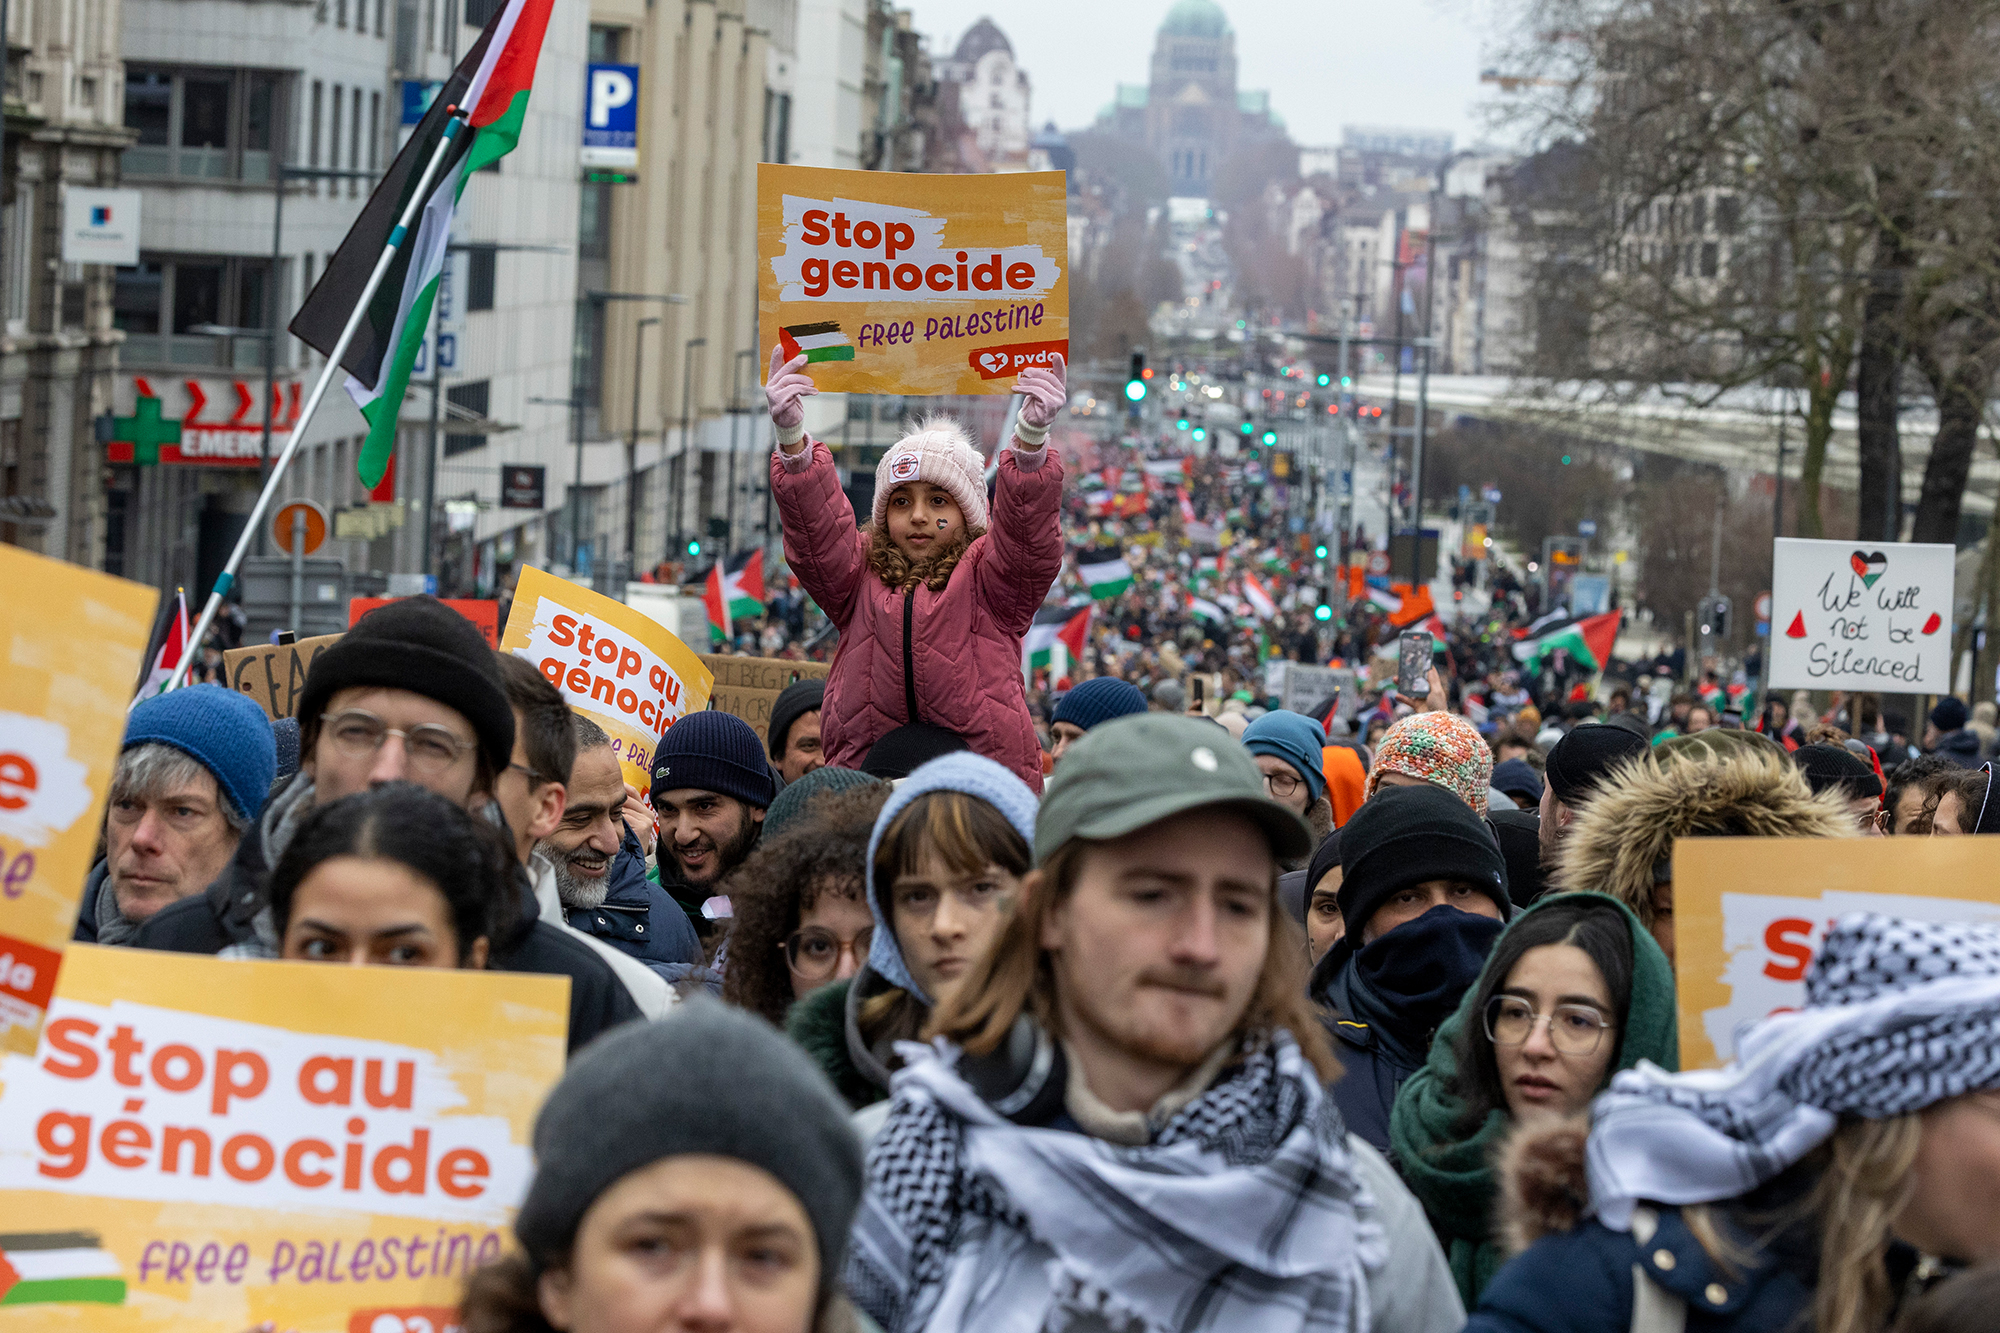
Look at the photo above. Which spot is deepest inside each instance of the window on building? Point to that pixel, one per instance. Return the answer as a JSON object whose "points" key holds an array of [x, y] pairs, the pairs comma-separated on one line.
{"points": [[481, 272], [466, 402], [161, 301], [374, 131], [380, 30], [1710, 258], [312, 145], [213, 124], [606, 44], [354, 142], [477, 12], [340, 13], [777, 126], [333, 135], [593, 228], [1728, 214]]}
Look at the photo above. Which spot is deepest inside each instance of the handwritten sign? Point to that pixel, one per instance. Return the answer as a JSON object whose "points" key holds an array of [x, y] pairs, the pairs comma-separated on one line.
{"points": [[71, 641], [484, 613], [203, 1144], [761, 673], [1861, 617], [912, 284], [274, 674], [613, 664], [1749, 914]]}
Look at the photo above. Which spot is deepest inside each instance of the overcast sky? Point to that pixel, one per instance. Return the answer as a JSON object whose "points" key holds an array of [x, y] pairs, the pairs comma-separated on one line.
{"points": [[1327, 63]]}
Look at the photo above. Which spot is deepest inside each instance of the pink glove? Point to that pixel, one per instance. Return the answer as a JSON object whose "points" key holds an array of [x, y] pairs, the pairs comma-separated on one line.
{"points": [[786, 389], [1043, 394]]}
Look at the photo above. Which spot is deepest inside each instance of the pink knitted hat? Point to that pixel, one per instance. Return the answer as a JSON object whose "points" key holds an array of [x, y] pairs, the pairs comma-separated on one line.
{"points": [[1440, 748], [942, 454]]}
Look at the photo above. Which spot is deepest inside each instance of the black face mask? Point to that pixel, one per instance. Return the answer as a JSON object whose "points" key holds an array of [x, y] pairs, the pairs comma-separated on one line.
{"points": [[1418, 972]]}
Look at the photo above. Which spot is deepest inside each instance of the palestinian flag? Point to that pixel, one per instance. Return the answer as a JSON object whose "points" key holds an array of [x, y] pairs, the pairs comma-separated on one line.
{"points": [[1187, 506], [734, 592], [1259, 597], [1068, 626], [58, 1268], [1104, 572], [1588, 640], [815, 342], [1208, 611], [492, 84], [173, 642]]}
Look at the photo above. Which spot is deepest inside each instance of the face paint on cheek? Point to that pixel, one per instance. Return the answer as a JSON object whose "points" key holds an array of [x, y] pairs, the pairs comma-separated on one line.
{"points": [[943, 523]]}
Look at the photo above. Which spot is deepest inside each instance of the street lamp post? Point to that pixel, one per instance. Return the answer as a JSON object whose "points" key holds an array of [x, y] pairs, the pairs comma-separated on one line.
{"points": [[687, 415], [632, 452], [736, 410]]}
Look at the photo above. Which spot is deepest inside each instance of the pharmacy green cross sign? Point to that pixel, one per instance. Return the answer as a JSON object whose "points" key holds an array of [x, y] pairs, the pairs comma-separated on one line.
{"points": [[145, 431]]}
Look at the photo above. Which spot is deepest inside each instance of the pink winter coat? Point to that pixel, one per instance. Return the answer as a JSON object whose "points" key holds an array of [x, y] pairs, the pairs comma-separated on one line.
{"points": [[965, 642]]}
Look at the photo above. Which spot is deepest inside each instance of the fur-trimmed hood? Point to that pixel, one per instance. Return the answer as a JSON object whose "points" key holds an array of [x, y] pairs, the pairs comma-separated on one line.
{"points": [[1630, 823], [1544, 1187]]}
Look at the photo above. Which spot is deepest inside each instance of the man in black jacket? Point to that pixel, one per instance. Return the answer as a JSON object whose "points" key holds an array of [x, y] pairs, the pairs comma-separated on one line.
{"points": [[411, 693], [1423, 893]]}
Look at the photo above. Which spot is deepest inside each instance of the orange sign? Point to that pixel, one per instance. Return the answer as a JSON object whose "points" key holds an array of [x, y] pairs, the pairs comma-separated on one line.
{"points": [[483, 613], [287, 519]]}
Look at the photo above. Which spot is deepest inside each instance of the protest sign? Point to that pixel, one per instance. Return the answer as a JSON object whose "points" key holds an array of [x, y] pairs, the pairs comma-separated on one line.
{"points": [[615, 666], [70, 646], [912, 284], [484, 613], [203, 1144], [1849, 617], [1749, 914], [760, 673], [272, 673]]}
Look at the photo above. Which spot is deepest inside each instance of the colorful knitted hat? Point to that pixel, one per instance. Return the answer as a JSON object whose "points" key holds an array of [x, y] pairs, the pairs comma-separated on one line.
{"points": [[1441, 748], [942, 454]]}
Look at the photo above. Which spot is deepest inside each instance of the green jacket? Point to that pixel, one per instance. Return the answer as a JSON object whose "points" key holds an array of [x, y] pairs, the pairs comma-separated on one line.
{"points": [[822, 1022], [1453, 1175]]}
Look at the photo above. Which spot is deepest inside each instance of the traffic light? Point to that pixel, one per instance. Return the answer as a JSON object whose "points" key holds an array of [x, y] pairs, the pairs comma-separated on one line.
{"points": [[1182, 424], [1247, 428], [1135, 383], [1200, 434], [1270, 437], [1322, 613], [1324, 379], [694, 546], [1319, 552], [1347, 381]]}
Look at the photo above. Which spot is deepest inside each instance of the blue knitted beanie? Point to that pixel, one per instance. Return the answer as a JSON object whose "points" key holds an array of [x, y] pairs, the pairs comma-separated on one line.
{"points": [[714, 751], [1294, 738], [1099, 699], [975, 775], [220, 729]]}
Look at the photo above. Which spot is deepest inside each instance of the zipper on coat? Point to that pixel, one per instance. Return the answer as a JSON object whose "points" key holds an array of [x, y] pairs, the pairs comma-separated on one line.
{"points": [[909, 657]]}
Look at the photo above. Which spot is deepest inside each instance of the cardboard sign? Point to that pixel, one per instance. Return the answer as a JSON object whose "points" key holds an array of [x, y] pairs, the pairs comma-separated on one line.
{"points": [[912, 284], [620, 669], [203, 1144], [761, 673], [483, 613], [274, 674], [1749, 914], [71, 641], [1861, 617]]}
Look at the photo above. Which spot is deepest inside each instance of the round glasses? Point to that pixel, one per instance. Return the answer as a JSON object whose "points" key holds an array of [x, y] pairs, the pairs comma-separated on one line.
{"points": [[814, 953], [1574, 1029], [1282, 785], [430, 748]]}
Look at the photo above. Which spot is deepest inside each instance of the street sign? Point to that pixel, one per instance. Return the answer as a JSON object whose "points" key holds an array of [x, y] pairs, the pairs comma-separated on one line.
{"points": [[1587, 528], [1763, 606], [611, 116], [282, 521], [523, 487], [417, 97], [100, 226]]}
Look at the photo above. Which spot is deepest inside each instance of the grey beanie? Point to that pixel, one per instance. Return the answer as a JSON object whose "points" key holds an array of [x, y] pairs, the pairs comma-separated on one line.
{"points": [[708, 1079]]}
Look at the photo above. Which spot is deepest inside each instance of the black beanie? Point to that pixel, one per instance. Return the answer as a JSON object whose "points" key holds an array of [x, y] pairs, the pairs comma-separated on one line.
{"points": [[1827, 766], [421, 645], [793, 702], [708, 1080], [1580, 760], [906, 749], [1402, 836]]}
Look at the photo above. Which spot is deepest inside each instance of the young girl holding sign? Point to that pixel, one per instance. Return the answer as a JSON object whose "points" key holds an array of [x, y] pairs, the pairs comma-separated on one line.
{"points": [[931, 604]]}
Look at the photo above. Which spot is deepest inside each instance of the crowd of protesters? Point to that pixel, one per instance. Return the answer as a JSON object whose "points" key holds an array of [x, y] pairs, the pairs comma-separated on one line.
{"points": [[925, 1010]]}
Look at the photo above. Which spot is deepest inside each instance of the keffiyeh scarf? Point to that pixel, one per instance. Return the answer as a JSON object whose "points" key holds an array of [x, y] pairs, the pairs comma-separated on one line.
{"points": [[1243, 1214], [1899, 1015]]}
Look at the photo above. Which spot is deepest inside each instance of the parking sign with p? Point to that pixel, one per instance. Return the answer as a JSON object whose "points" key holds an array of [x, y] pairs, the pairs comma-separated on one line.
{"points": [[611, 116]]}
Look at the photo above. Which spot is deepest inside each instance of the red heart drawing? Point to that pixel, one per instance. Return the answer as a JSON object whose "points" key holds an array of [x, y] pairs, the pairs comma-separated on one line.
{"points": [[1931, 625], [1797, 629]]}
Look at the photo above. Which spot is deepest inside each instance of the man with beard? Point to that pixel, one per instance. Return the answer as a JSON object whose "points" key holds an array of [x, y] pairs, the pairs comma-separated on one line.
{"points": [[600, 872], [1134, 1056], [711, 786]]}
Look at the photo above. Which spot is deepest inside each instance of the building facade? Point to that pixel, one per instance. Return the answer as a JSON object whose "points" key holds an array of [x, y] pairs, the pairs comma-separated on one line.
{"points": [[983, 105]]}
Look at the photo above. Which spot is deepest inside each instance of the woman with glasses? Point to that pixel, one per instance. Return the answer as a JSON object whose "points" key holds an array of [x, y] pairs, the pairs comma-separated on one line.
{"points": [[1574, 991], [800, 922], [395, 876], [944, 867]]}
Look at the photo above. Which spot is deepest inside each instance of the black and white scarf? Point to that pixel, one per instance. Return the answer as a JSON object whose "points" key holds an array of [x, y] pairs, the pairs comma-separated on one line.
{"points": [[1244, 1213]]}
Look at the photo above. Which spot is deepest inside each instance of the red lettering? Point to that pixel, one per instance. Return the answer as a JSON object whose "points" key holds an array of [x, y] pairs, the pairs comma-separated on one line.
{"points": [[125, 1143], [812, 227], [1020, 277], [259, 1148], [17, 780], [226, 1085], [191, 1067], [562, 631], [1778, 939], [59, 1034], [295, 1163], [458, 1169], [342, 1091]]}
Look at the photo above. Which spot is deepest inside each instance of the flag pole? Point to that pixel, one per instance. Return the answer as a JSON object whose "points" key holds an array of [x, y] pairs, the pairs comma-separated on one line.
{"points": [[227, 579]]}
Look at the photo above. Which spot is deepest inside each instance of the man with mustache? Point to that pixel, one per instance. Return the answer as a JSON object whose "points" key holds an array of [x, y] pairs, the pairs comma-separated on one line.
{"points": [[600, 873], [1134, 1057], [711, 786]]}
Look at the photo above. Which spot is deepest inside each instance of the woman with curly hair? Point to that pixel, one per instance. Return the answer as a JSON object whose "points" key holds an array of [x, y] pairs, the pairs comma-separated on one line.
{"points": [[801, 921]]}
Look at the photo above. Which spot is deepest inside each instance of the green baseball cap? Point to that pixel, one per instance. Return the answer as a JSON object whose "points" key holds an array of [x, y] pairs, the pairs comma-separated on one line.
{"points": [[1137, 770]]}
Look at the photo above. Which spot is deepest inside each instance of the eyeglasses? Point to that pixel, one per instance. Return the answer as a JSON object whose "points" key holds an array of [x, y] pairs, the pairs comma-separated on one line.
{"points": [[1574, 1029], [814, 953], [1281, 785], [430, 747]]}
